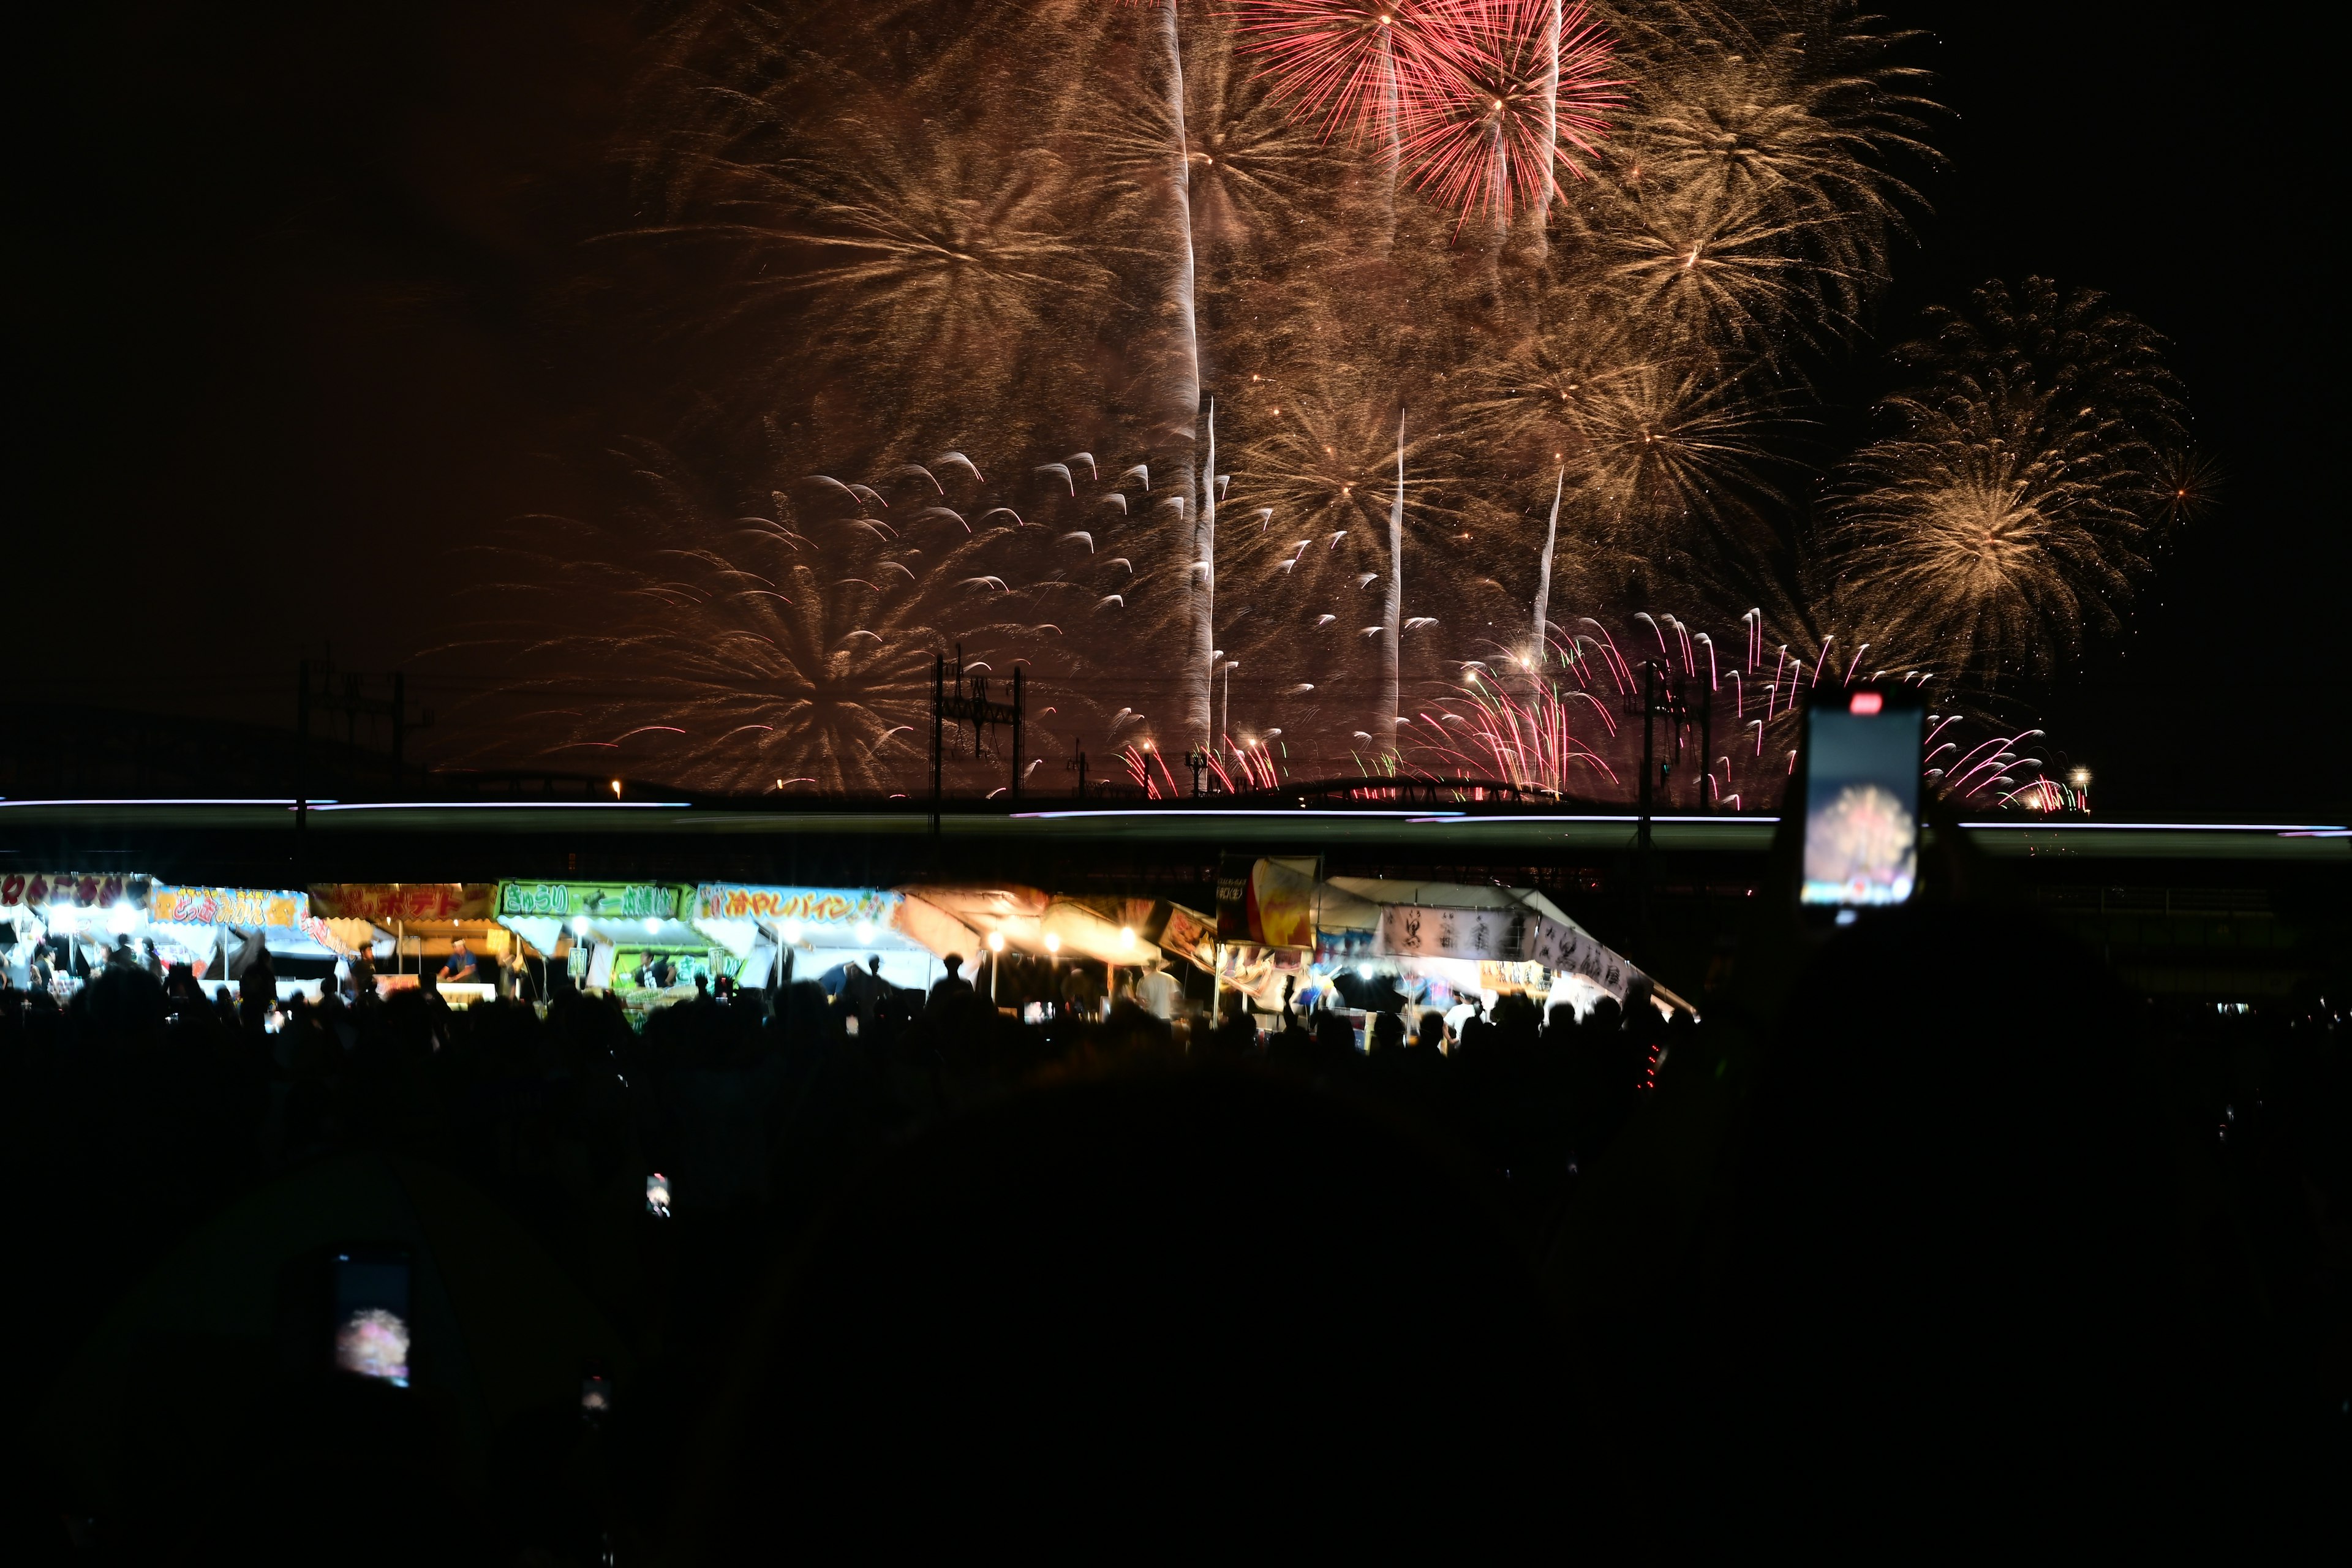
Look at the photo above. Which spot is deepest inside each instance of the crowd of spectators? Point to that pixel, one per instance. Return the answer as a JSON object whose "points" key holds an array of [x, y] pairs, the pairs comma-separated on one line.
{"points": [[143, 1104]]}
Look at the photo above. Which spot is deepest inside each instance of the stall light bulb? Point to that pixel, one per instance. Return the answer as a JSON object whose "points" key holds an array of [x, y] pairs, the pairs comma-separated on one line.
{"points": [[123, 918], [997, 942], [1126, 936], [579, 925], [864, 931], [653, 926], [1053, 942], [1365, 969], [61, 917], [791, 932]]}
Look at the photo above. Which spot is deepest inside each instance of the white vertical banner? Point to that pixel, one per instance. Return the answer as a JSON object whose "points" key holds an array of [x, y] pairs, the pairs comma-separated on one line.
{"points": [[1502, 936]]}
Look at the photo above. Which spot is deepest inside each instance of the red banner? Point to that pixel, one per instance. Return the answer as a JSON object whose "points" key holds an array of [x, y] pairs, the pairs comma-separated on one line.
{"points": [[91, 889], [388, 903]]}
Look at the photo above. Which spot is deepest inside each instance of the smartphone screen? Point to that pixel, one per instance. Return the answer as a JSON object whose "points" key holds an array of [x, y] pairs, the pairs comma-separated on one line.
{"points": [[657, 1195], [371, 1334], [1862, 801]]}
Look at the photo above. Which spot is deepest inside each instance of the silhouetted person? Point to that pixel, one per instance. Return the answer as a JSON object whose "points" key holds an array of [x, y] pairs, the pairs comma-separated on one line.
{"points": [[1335, 1042], [257, 990]]}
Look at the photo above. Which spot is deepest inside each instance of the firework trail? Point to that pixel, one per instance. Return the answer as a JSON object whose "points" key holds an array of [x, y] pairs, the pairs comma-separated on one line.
{"points": [[1176, 407], [1334, 484], [1543, 577]]}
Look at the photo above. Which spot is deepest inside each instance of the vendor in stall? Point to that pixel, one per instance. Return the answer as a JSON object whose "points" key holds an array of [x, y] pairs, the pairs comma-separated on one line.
{"points": [[1155, 990], [460, 967]]}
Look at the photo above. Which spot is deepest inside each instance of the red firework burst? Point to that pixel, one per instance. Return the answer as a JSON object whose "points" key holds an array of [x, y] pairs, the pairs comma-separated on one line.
{"points": [[1356, 65], [1525, 81]]}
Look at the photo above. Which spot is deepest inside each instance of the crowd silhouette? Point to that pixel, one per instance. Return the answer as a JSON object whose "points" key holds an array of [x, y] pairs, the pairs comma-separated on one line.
{"points": [[922, 1259]]}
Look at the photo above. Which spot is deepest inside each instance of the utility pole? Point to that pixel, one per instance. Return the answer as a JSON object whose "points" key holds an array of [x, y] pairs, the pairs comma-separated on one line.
{"points": [[1198, 761], [1079, 768], [1652, 705], [938, 692], [968, 703]]}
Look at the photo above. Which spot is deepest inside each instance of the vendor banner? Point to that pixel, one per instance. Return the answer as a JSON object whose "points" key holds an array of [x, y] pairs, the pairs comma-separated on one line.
{"points": [[88, 889], [1416, 931], [402, 904], [228, 907], [598, 900], [1265, 902], [1566, 950], [248, 908], [1502, 936], [809, 906], [1184, 933]]}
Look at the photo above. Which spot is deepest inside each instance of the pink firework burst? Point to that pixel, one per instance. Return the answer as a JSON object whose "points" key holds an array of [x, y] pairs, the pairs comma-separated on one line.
{"points": [[1525, 88], [1355, 65]]}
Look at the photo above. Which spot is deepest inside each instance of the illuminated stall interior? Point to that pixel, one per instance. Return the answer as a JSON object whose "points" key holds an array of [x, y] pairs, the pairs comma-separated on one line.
{"points": [[826, 930], [410, 928], [633, 939]]}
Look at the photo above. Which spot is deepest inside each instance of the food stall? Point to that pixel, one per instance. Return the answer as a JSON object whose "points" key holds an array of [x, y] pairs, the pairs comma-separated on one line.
{"points": [[233, 926], [1439, 945], [826, 929], [78, 915], [1107, 931], [412, 927], [631, 938]]}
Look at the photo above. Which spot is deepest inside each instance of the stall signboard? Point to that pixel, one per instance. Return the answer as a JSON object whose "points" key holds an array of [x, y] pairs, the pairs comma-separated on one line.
{"points": [[278, 907], [1184, 933], [597, 901], [1502, 936], [1566, 950], [1265, 902], [85, 889], [809, 906], [1415, 931], [403, 903]]}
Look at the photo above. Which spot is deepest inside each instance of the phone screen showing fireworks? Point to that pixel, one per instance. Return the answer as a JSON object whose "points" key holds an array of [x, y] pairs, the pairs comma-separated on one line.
{"points": [[1862, 801], [372, 1320]]}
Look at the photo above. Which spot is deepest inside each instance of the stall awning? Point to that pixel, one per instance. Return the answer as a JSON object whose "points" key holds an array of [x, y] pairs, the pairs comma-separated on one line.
{"points": [[636, 914], [282, 916], [388, 904], [735, 915], [72, 890], [1037, 922], [1459, 920]]}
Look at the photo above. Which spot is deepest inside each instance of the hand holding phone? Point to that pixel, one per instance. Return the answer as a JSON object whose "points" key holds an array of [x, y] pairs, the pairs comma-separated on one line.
{"points": [[1862, 800]]}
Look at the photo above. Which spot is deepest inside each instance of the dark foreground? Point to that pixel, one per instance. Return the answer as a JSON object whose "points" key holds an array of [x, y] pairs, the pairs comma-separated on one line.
{"points": [[1924, 1229]]}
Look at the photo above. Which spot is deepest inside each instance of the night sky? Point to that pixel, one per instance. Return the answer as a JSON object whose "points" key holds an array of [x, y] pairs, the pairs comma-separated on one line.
{"points": [[299, 311]]}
